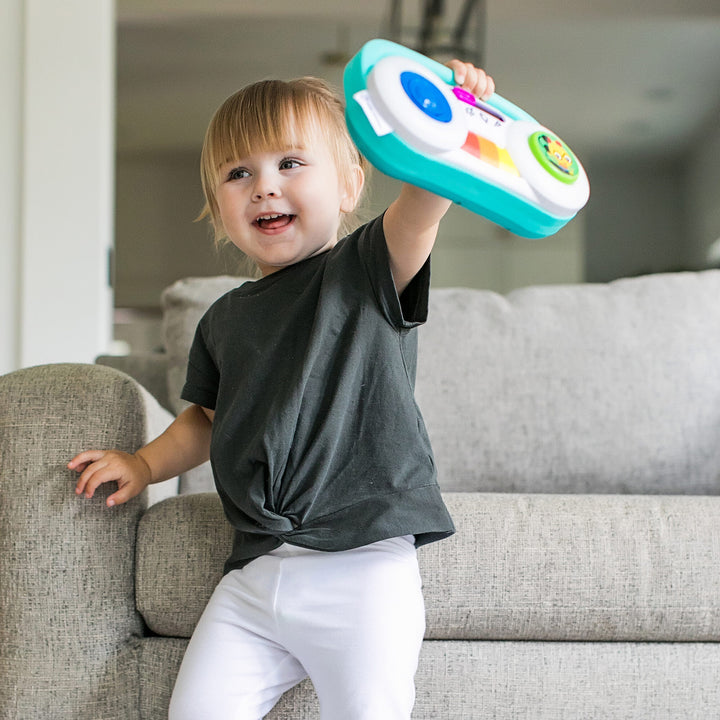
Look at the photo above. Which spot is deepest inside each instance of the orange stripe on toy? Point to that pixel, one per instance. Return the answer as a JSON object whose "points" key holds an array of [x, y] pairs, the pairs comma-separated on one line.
{"points": [[489, 151]]}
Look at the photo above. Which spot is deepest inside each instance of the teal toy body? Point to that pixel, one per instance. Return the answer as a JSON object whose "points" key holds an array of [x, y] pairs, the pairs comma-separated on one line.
{"points": [[409, 119]]}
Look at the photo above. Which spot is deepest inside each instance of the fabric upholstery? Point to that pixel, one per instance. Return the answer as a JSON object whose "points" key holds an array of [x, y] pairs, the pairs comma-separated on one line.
{"points": [[521, 567], [183, 304], [514, 681], [586, 388], [182, 544]]}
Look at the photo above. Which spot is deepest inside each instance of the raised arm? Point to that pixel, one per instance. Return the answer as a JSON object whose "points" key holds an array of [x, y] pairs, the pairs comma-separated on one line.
{"points": [[184, 445], [411, 222]]}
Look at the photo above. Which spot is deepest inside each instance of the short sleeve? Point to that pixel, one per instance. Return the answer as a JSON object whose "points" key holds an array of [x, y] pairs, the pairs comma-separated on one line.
{"points": [[408, 310], [203, 378]]}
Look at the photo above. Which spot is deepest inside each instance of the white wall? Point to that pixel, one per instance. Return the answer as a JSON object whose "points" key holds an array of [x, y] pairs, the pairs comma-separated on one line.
{"points": [[10, 141], [56, 179]]}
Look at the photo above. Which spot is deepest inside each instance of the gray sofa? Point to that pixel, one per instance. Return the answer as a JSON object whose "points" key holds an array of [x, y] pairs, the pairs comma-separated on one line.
{"points": [[577, 435]]}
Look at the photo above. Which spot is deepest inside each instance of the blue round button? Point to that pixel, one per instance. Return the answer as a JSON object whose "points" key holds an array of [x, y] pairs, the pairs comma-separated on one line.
{"points": [[426, 96]]}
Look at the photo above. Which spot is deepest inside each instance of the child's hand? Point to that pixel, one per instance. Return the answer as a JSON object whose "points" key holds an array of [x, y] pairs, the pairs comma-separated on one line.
{"points": [[472, 79], [131, 473]]}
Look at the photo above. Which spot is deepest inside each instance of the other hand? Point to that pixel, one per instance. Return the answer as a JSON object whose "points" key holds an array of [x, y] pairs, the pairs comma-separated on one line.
{"points": [[131, 473]]}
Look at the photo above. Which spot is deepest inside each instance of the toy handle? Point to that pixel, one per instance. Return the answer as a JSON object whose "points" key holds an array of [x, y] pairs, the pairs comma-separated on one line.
{"points": [[496, 101]]}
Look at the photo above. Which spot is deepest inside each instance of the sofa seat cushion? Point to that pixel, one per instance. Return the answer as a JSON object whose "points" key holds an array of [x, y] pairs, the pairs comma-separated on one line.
{"points": [[521, 567]]}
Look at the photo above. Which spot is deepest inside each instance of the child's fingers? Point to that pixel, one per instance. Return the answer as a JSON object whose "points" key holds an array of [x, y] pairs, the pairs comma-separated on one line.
{"points": [[479, 83], [459, 71], [473, 79], [102, 466], [98, 469], [92, 477], [125, 493], [99, 477], [81, 461], [489, 88]]}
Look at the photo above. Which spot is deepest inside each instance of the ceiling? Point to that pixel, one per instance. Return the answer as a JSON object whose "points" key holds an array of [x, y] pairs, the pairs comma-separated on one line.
{"points": [[614, 78]]}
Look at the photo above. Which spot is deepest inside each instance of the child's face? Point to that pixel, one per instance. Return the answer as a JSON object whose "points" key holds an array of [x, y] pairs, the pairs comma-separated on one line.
{"points": [[283, 206]]}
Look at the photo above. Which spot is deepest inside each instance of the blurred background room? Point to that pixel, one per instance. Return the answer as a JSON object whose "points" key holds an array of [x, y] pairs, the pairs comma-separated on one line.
{"points": [[633, 87]]}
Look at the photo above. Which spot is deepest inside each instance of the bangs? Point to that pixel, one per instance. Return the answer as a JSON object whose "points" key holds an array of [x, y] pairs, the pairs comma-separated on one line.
{"points": [[265, 117]]}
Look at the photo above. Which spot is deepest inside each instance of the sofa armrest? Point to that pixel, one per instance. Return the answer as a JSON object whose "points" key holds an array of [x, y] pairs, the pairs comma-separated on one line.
{"points": [[67, 564]]}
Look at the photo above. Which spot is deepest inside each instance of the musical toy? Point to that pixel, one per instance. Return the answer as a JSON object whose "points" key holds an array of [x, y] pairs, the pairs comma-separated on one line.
{"points": [[413, 123]]}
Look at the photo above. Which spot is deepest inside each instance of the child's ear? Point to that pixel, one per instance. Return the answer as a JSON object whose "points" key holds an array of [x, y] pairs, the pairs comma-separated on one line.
{"points": [[353, 189]]}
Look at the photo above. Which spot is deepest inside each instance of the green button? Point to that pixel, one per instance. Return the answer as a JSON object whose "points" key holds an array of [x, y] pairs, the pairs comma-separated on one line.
{"points": [[555, 156]]}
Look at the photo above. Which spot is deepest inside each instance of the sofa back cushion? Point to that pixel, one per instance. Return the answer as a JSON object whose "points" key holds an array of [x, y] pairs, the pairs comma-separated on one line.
{"points": [[183, 304], [586, 388], [580, 388]]}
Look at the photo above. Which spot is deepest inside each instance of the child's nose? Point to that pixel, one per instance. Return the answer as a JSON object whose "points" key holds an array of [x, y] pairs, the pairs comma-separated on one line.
{"points": [[266, 186]]}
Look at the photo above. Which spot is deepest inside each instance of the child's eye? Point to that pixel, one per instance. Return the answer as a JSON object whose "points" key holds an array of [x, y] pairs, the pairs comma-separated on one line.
{"points": [[289, 164], [238, 173]]}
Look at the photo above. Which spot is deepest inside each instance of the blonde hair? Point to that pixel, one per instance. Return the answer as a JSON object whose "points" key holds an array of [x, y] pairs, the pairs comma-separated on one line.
{"points": [[270, 115]]}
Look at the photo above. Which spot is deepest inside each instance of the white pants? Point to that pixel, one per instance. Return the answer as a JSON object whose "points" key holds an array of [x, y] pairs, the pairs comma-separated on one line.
{"points": [[352, 621]]}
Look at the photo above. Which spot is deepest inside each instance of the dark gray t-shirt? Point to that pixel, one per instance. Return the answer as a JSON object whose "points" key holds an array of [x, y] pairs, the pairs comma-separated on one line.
{"points": [[317, 440]]}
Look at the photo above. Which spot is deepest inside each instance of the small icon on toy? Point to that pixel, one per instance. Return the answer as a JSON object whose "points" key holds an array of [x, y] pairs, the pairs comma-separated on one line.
{"points": [[555, 156]]}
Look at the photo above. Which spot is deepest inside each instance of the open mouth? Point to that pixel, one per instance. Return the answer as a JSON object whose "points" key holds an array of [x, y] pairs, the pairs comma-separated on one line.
{"points": [[274, 221]]}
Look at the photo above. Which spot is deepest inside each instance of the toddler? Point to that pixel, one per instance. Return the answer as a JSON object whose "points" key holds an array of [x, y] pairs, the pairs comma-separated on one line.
{"points": [[301, 386]]}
